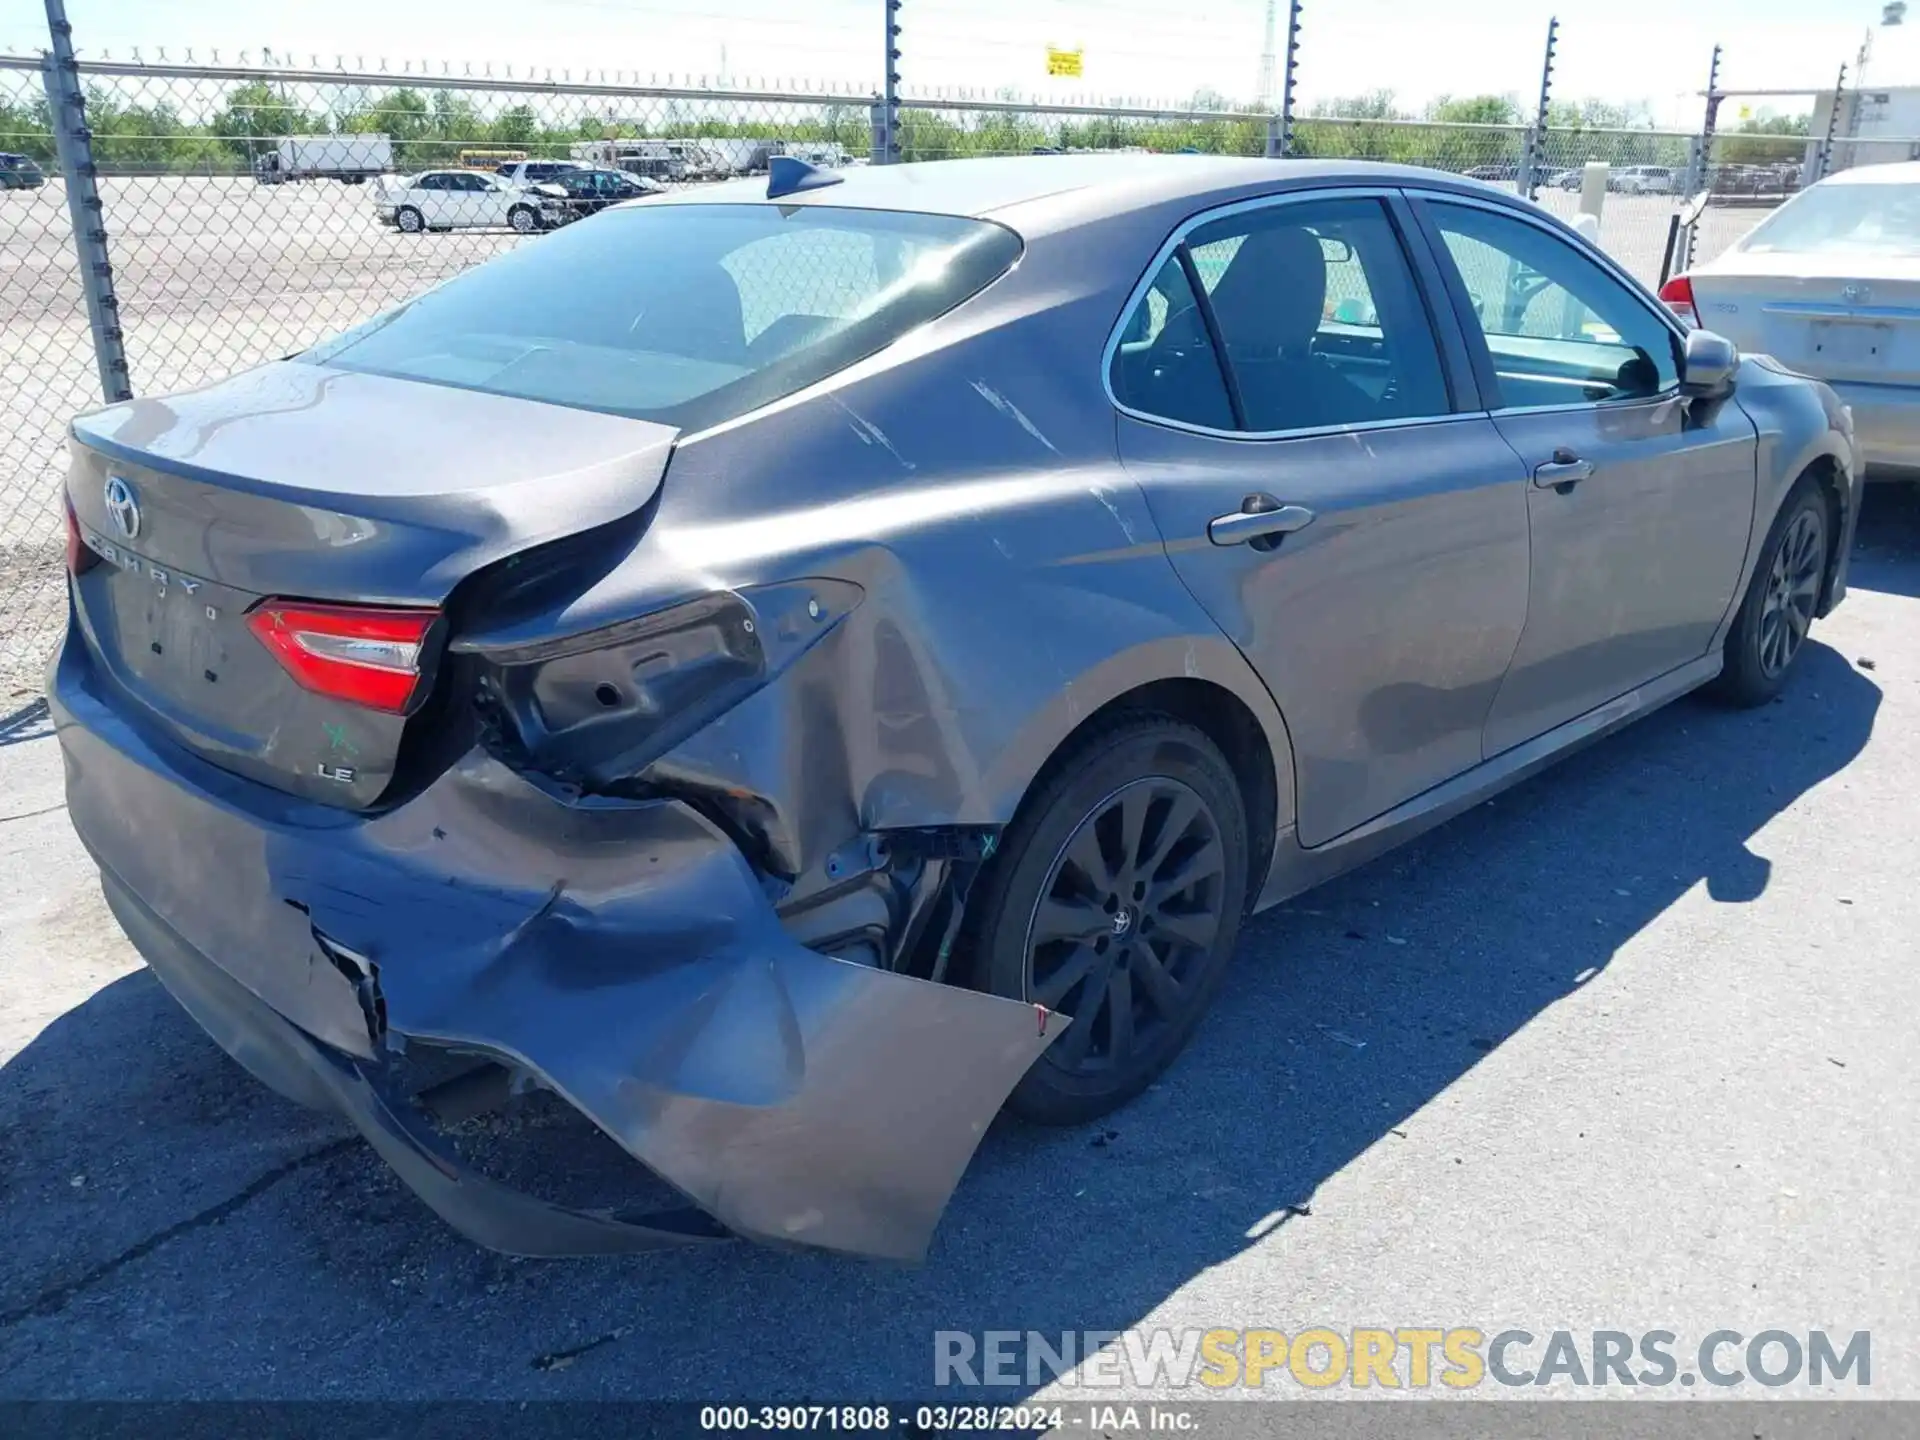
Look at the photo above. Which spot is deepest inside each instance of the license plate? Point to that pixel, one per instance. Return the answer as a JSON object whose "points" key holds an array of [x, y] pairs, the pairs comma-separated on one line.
{"points": [[1851, 342], [166, 622]]}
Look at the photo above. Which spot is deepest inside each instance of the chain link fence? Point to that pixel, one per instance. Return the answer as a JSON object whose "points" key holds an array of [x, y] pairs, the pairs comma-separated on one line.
{"points": [[47, 372], [249, 211]]}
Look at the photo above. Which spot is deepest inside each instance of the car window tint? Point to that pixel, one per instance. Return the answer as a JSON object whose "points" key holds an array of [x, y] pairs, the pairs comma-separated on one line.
{"points": [[1560, 329], [1165, 365], [1320, 316]]}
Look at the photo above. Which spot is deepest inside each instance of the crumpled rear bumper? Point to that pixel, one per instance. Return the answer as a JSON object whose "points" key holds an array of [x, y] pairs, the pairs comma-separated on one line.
{"points": [[624, 953]]}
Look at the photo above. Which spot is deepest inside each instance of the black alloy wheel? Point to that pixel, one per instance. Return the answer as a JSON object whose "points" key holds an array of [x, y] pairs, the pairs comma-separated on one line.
{"points": [[1769, 631], [1128, 916], [1116, 900]]}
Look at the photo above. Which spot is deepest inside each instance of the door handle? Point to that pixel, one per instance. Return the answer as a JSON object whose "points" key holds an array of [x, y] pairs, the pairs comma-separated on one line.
{"points": [[1563, 472], [1259, 518]]}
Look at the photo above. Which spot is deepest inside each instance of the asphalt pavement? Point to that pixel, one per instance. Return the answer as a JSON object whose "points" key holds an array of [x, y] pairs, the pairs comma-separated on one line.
{"points": [[1632, 1046]]}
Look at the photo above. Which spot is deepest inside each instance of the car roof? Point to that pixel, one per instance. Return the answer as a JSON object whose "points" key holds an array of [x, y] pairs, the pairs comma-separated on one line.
{"points": [[1084, 185]]}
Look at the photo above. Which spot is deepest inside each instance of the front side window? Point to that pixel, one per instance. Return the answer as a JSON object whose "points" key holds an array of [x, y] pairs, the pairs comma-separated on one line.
{"points": [[1560, 329], [1321, 320], [1165, 365], [684, 314]]}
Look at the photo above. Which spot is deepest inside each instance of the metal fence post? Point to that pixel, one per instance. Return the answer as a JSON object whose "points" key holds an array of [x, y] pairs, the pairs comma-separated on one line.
{"points": [[73, 146], [1824, 161], [1699, 169], [1527, 182], [889, 126], [1287, 80], [1273, 149]]}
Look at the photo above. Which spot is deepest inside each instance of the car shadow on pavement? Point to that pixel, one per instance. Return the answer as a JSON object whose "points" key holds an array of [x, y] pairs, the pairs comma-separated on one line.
{"points": [[218, 1242]]}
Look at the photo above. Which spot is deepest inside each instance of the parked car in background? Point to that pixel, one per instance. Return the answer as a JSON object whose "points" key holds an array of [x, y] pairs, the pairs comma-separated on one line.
{"points": [[20, 172], [664, 160], [464, 200], [1568, 179], [537, 172], [1494, 173], [351, 158], [583, 192], [1829, 284], [1045, 582], [1642, 180], [1753, 181]]}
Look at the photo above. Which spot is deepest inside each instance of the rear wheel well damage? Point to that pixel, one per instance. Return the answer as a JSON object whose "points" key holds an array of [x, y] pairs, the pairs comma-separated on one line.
{"points": [[1218, 714], [898, 898]]}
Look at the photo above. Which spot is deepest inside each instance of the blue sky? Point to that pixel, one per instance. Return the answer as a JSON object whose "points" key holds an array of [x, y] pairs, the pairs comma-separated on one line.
{"points": [[1655, 51]]}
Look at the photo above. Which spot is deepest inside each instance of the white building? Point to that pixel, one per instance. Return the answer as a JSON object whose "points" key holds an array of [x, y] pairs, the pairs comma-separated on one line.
{"points": [[1875, 126]]}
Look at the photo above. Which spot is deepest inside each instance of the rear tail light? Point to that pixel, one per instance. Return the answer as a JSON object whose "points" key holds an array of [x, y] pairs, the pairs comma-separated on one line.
{"points": [[80, 555], [354, 653], [1678, 295]]}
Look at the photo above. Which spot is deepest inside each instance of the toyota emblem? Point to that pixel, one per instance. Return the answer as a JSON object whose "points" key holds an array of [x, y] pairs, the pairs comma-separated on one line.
{"points": [[122, 507], [1855, 293]]}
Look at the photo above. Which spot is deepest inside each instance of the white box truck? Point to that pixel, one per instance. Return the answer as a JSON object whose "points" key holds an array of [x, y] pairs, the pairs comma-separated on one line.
{"points": [[351, 158]]}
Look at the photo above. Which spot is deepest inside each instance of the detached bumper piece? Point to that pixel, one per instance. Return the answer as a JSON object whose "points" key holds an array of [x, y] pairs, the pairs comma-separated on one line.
{"points": [[622, 953]]}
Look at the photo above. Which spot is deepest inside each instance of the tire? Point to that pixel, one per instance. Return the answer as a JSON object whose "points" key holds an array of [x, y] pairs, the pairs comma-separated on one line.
{"points": [[409, 221], [522, 221], [1770, 630], [1159, 951]]}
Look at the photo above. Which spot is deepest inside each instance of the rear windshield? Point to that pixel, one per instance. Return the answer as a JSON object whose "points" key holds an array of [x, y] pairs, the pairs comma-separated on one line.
{"points": [[1834, 219], [684, 314]]}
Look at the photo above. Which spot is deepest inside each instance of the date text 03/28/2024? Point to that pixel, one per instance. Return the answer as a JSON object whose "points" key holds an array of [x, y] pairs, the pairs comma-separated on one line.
{"points": [[957, 1419]]}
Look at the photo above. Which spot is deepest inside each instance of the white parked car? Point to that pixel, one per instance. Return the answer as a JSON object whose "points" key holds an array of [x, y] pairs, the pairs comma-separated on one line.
{"points": [[523, 173], [1829, 285], [463, 200], [1643, 180]]}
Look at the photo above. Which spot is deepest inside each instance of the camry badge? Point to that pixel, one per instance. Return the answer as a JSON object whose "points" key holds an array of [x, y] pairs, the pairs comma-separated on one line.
{"points": [[122, 508]]}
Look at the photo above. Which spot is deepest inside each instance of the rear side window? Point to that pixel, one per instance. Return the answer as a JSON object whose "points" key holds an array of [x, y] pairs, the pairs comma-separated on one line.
{"points": [[1839, 219], [1165, 365], [1322, 323], [684, 314]]}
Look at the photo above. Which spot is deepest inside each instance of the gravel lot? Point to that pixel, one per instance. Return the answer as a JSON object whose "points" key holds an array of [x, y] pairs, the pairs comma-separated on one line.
{"points": [[215, 274], [1631, 1046]]}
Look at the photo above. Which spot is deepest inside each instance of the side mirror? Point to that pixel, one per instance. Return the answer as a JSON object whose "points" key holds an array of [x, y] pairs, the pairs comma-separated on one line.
{"points": [[1707, 364]]}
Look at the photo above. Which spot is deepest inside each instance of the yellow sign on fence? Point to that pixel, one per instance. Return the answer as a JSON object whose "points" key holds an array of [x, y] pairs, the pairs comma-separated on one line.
{"points": [[1063, 62]]}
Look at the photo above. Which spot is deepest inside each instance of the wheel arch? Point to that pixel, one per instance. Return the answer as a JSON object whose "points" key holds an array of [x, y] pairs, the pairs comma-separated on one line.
{"points": [[1187, 680]]}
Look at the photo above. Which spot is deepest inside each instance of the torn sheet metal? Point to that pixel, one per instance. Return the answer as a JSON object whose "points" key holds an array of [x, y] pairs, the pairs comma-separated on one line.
{"points": [[623, 952]]}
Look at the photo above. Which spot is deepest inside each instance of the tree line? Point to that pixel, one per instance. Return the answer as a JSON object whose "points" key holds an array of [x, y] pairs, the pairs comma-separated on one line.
{"points": [[138, 135]]}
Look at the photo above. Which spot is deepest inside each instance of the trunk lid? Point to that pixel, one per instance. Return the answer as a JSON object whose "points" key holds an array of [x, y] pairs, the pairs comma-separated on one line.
{"points": [[1851, 318], [296, 481]]}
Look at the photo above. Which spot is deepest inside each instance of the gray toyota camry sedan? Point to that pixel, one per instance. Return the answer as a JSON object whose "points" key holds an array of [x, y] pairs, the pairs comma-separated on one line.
{"points": [[797, 666]]}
